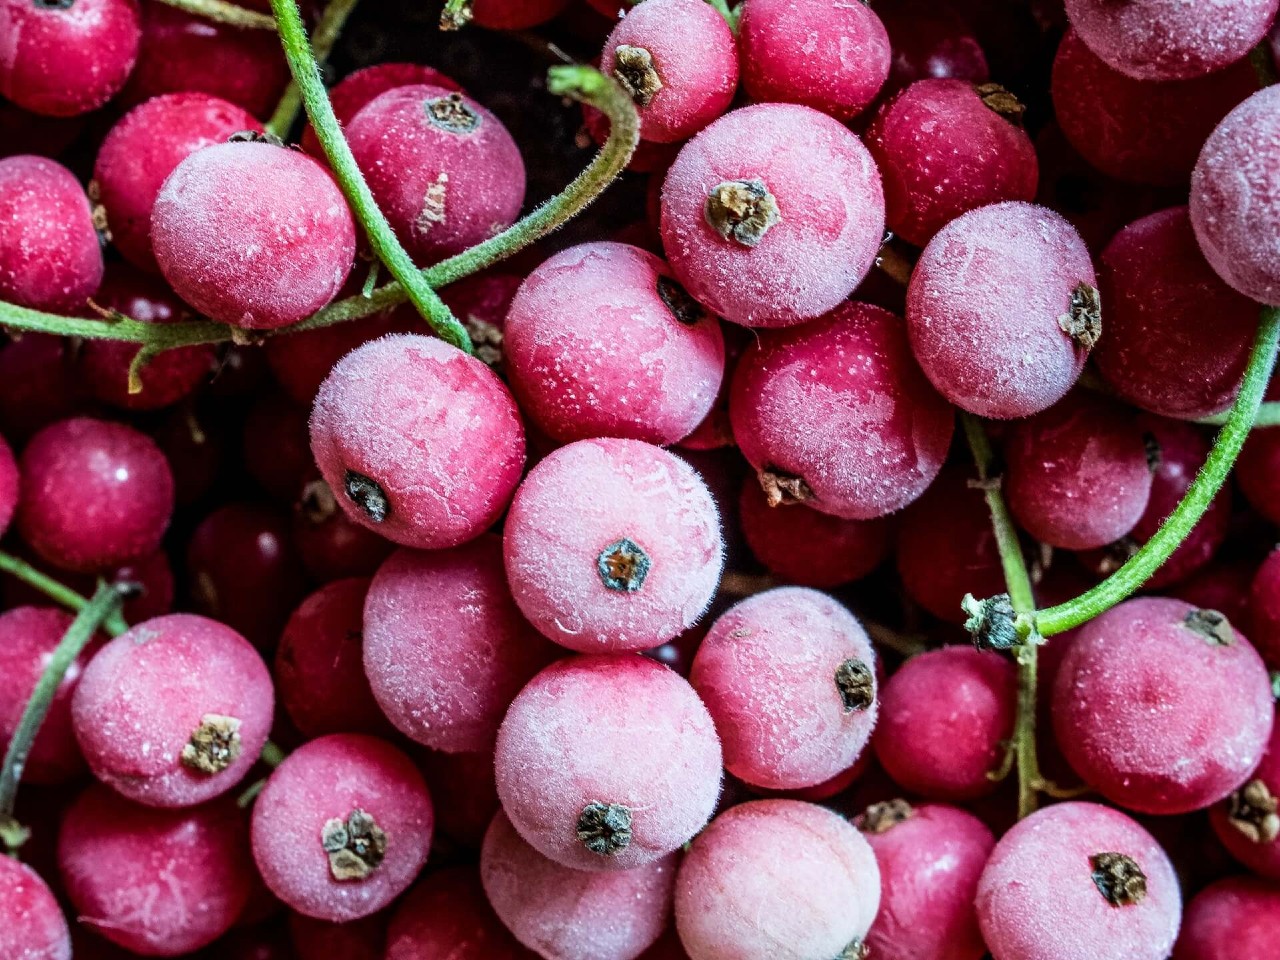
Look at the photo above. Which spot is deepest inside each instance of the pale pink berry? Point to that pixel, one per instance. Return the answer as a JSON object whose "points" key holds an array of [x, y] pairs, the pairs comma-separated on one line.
{"points": [[32, 926], [1234, 919], [1248, 821]]}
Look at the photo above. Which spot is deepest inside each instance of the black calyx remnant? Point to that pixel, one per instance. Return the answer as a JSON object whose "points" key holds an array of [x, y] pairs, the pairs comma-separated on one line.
{"points": [[1211, 625], [634, 69], [1083, 323], [452, 114], [857, 685], [604, 828], [991, 622], [623, 565], [356, 846], [254, 136], [1119, 879], [682, 306], [742, 210], [365, 493], [214, 745]]}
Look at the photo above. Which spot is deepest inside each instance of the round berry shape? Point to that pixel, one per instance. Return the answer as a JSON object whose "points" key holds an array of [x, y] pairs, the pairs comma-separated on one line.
{"points": [[1248, 822], [777, 880], [1003, 308], [342, 827], [1154, 664], [931, 41], [1258, 473], [1234, 919], [10, 485], [447, 915], [612, 545], [772, 214], [421, 443], [1264, 609], [466, 797], [331, 546], [252, 234], [837, 415], [33, 926], [443, 169]]}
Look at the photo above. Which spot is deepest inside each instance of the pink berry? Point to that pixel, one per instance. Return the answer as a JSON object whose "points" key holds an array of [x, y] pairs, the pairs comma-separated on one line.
{"points": [[1235, 199], [445, 648], [1002, 309], [565, 914], [447, 915], [94, 494], [1078, 880], [1234, 919], [608, 762], [772, 214], [832, 57], [466, 797], [1158, 664], [930, 858], [945, 147], [65, 57], [602, 342], [157, 882], [1248, 822], [422, 443], [678, 61], [612, 545], [789, 677], [33, 926], [50, 257], [837, 414], [342, 827], [1264, 609], [1221, 586], [444, 170], [944, 719], [515, 14], [363, 939], [252, 234], [776, 880]]}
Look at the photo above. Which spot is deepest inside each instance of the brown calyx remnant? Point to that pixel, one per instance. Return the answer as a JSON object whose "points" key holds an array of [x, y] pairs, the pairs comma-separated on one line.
{"points": [[317, 503], [997, 98], [1253, 810], [881, 817], [742, 210], [452, 114], [1084, 323], [783, 489], [214, 745], [857, 685], [356, 846], [634, 69], [856, 950], [1119, 879], [1211, 625], [98, 213], [487, 340], [623, 565], [1115, 555], [682, 306], [604, 828], [365, 493]]}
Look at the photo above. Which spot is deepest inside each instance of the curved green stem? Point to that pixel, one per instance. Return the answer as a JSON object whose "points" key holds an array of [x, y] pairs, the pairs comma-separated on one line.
{"points": [[323, 38], [306, 74], [1268, 416], [223, 12], [51, 588]]}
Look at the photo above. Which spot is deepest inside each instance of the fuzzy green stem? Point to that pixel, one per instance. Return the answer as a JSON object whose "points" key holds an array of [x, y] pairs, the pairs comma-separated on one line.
{"points": [[722, 7], [323, 39], [306, 74], [221, 11], [1268, 416], [51, 588]]}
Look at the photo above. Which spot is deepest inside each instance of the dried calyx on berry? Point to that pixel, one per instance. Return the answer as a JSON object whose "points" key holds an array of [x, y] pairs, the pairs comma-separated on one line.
{"points": [[1255, 812], [634, 69], [882, 817], [1119, 879], [992, 622], [856, 682], [1083, 322], [1000, 100], [356, 846], [214, 745], [366, 494], [682, 306], [783, 489], [742, 210], [1212, 625], [452, 114], [623, 566], [604, 828]]}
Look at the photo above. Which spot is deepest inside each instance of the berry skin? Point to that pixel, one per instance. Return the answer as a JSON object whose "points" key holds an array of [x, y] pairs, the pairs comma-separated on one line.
{"points": [[1235, 198], [156, 882], [944, 718], [333, 547], [515, 14], [466, 796], [600, 341], [1002, 309], [174, 712], [608, 762], [1264, 609], [1258, 473], [789, 678], [679, 62], [10, 485], [836, 414], [930, 858], [443, 169], [143, 148], [65, 58], [445, 649], [94, 494], [421, 443], [252, 234], [447, 915], [50, 257], [929, 41], [33, 926], [1234, 919], [342, 827], [776, 880], [38, 385], [612, 545], [832, 57], [945, 147], [1248, 822], [772, 215], [564, 914], [1076, 881], [363, 939], [1154, 664]]}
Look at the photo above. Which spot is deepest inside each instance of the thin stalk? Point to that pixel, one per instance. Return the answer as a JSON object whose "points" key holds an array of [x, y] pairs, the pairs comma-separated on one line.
{"points": [[272, 755], [323, 39], [114, 623], [221, 11]]}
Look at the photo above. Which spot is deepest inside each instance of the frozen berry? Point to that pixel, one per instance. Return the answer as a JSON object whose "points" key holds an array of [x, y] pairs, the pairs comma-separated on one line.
{"points": [[1234, 919], [333, 546], [447, 916], [1248, 821], [1264, 609], [466, 797], [33, 926], [10, 483], [38, 385]]}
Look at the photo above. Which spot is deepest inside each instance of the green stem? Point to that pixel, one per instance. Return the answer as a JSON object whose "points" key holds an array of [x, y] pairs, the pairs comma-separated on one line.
{"points": [[323, 39], [223, 12], [1268, 416], [272, 755], [114, 624], [306, 74], [455, 15]]}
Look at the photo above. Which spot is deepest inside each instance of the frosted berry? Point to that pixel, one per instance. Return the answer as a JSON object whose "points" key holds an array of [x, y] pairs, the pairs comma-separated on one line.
{"points": [[1264, 609], [447, 915], [1234, 919], [39, 385], [1248, 822], [34, 927]]}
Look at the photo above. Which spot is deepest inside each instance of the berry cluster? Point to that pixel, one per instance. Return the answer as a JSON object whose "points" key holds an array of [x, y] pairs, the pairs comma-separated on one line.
{"points": [[819, 550]]}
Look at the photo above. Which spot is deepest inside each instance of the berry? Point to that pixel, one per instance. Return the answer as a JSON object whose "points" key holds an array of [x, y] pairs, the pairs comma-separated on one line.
{"points": [[945, 147], [50, 257], [1002, 309], [447, 915], [34, 927], [836, 414], [423, 444], [789, 678], [607, 762], [772, 215], [1078, 880], [275, 444], [832, 57], [10, 484], [481, 302], [363, 939], [342, 827], [466, 796], [1234, 919], [929, 41], [515, 14], [157, 882], [600, 341], [612, 545], [776, 880], [1161, 707], [38, 385], [945, 718], [1258, 473], [332, 547], [443, 169], [445, 649], [1264, 609], [1248, 822]]}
